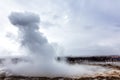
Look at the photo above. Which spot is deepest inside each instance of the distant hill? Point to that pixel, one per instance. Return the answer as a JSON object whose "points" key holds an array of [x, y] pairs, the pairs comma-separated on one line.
{"points": [[90, 59]]}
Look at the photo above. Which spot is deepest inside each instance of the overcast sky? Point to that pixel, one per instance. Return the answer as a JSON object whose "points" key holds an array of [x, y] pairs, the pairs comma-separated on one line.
{"points": [[80, 27]]}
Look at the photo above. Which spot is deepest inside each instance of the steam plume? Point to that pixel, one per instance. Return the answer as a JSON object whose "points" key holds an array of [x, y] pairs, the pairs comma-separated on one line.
{"points": [[43, 62], [32, 39]]}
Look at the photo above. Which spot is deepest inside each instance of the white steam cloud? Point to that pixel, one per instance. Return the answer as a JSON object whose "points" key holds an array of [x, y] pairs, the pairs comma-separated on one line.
{"points": [[32, 39], [42, 62]]}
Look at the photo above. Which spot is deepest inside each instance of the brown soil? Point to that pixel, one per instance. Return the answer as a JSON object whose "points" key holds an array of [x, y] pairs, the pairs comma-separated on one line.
{"points": [[62, 78]]}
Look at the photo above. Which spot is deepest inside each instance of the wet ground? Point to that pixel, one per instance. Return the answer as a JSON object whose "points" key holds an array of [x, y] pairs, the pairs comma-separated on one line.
{"points": [[112, 74], [62, 78]]}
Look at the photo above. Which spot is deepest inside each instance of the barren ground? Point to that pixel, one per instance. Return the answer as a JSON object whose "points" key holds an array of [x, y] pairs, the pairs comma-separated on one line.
{"points": [[112, 74]]}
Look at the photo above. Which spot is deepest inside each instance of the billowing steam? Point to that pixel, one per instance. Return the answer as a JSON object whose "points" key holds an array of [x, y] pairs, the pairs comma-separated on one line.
{"points": [[42, 62], [31, 38]]}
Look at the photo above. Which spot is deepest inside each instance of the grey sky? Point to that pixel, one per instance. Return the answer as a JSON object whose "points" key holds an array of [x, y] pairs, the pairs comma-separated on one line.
{"points": [[81, 27]]}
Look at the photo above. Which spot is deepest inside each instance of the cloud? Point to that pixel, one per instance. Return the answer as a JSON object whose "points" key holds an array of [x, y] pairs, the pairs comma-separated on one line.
{"points": [[24, 19], [31, 38], [102, 17]]}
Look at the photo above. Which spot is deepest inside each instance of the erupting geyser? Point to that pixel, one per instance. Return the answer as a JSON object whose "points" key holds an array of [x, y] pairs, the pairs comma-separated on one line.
{"points": [[42, 54], [30, 36]]}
